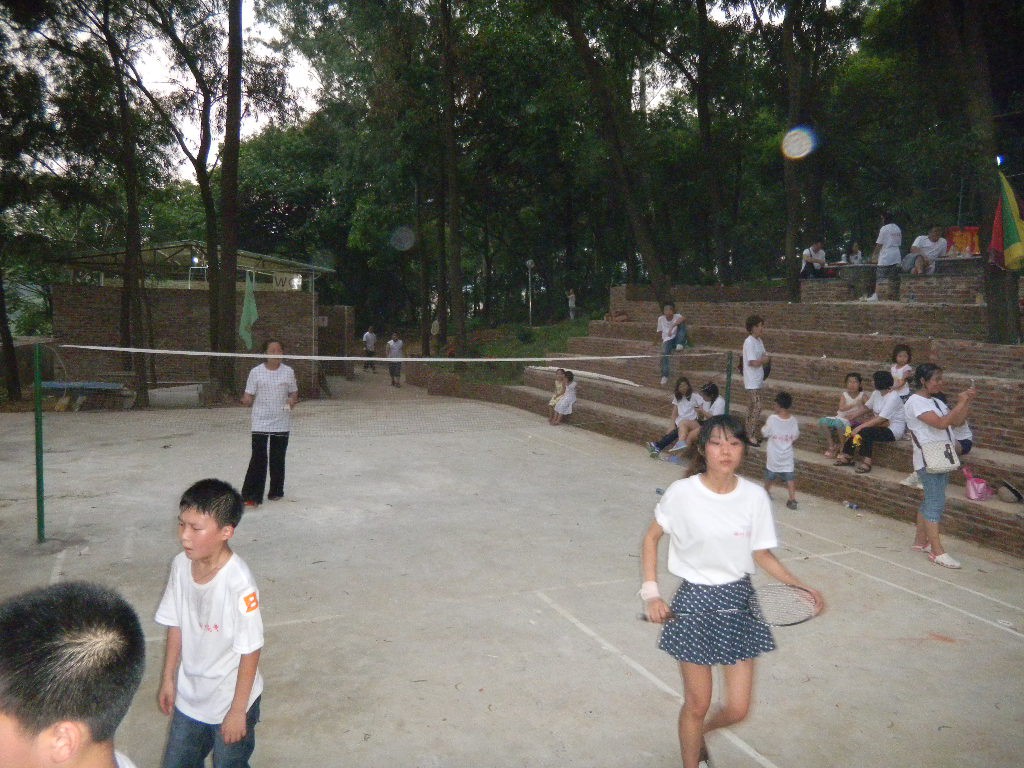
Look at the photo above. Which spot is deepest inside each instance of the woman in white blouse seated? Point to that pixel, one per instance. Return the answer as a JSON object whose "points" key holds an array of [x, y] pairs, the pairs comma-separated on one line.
{"points": [[887, 425]]}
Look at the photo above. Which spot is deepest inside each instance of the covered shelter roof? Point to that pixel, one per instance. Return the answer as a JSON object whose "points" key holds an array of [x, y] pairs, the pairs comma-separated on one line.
{"points": [[177, 258]]}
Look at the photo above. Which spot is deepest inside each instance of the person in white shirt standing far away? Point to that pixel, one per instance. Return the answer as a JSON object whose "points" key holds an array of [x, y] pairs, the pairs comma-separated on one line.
{"points": [[272, 392]]}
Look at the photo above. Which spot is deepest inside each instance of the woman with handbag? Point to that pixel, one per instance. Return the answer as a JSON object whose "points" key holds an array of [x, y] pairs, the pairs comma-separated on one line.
{"points": [[929, 420]]}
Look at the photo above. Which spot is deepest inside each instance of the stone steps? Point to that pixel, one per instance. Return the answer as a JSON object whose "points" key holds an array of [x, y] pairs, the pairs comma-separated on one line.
{"points": [[656, 403], [997, 416], [993, 522]]}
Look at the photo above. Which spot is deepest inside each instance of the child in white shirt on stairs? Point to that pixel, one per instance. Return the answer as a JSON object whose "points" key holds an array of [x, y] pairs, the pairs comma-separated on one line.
{"points": [[781, 430]]}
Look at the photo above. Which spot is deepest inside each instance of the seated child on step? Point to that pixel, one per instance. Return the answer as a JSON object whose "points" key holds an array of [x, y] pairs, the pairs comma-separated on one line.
{"points": [[714, 404], [565, 403], [559, 392], [851, 405], [685, 403]]}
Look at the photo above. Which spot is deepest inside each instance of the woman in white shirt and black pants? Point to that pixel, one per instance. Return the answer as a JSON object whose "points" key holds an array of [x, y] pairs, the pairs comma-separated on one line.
{"points": [[928, 418], [720, 530]]}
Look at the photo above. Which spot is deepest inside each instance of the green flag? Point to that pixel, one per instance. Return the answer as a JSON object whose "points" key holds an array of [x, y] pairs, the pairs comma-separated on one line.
{"points": [[249, 313]]}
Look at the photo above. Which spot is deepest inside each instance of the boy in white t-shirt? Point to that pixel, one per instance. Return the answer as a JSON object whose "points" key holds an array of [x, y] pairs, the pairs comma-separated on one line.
{"points": [[781, 430], [369, 349], [211, 681], [272, 392], [755, 358], [887, 255], [925, 251], [71, 659], [672, 329]]}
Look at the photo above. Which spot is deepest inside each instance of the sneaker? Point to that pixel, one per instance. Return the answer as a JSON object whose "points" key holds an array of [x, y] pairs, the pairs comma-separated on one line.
{"points": [[911, 480], [791, 504], [872, 297], [664, 380], [274, 498], [944, 560], [653, 449], [681, 445]]}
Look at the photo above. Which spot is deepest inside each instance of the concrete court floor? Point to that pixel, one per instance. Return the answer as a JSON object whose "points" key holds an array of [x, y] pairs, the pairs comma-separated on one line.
{"points": [[452, 583]]}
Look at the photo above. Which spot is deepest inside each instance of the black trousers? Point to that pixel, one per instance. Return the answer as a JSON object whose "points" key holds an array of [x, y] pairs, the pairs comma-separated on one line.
{"points": [[264, 444], [670, 439], [869, 436]]}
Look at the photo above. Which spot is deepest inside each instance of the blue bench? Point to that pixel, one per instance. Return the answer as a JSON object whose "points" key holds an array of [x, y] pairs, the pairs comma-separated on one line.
{"points": [[80, 390]]}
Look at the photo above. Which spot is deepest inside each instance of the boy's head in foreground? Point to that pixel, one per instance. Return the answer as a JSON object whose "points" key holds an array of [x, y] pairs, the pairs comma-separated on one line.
{"points": [[71, 659], [209, 512]]}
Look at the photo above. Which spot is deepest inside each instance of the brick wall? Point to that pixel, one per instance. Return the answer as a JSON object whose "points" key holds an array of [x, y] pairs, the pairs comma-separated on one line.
{"points": [[87, 314], [776, 291], [954, 321], [336, 337], [945, 289]]}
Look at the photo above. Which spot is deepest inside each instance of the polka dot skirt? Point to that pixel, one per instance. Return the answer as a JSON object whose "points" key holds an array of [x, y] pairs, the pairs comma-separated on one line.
{"points": [[714, 625]]}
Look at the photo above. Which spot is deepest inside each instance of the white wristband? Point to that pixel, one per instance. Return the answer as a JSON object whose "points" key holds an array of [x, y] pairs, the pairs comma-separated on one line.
{"points": [[649, 590]]}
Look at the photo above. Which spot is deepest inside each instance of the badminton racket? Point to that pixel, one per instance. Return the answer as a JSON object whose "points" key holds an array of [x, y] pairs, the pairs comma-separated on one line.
{"points": [[778, 605]]}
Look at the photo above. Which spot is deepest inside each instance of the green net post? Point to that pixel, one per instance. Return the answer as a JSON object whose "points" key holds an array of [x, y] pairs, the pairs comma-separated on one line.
{"points": [[37, 355], [728, 381]]}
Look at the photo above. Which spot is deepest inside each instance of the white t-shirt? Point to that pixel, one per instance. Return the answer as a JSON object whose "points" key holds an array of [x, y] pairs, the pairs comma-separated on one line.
{"points": [[889, 237], [781, 434], [369, 341], [810, 253], [271, 390], [931, 250], [891, 407], [668, 328], [121, 761], [395, 347], [717, 408], [219, 621], [712, 536], [686, 408], [925, 433], [753, 349], [905, 372]]}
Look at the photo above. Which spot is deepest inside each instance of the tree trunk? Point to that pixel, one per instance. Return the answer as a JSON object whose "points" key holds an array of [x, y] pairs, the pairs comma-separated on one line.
{"points": [[424, 258], [133, 275], [958, 30], [229, 204], [456, 296], [794, 89], [11, 379], [613, 131]]}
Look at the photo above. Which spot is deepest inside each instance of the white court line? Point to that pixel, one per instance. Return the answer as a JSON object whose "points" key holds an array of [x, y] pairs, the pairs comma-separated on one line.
{"points": [[855, 550], [658, 682]]}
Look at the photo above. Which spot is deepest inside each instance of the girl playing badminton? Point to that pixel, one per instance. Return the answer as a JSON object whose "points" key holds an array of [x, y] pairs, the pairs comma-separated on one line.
{"points": [[719, 526]]}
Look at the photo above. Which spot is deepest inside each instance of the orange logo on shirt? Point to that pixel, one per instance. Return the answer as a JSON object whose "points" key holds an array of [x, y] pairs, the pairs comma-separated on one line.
{"points": [[251, 602]]}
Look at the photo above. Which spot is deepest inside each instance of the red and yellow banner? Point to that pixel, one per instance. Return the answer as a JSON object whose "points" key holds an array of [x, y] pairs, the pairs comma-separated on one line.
{"points": [[1007, 244]]}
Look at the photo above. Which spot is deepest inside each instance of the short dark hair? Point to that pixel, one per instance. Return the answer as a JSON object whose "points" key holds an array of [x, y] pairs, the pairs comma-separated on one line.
{"points": [[902, 348], [710, 390], [882, 380], [569, 375], [752, 321], [268, 342], [857, 377], [215, 498], [725, 423], [925, 372], [71, 651], [784, 400]]}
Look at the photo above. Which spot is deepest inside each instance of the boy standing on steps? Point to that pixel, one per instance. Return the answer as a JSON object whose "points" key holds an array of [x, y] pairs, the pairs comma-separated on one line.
{"points": [[781, 430], [672, 327], [755, 358], [211, 682]]}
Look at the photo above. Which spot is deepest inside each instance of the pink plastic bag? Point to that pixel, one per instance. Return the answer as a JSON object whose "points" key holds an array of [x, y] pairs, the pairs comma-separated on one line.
{"points": [[977, 489]]}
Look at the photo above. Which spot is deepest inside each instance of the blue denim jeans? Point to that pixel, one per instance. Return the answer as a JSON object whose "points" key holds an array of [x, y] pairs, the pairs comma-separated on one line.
{"points": [[934, 486], [190, 741], [668, 347]]}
